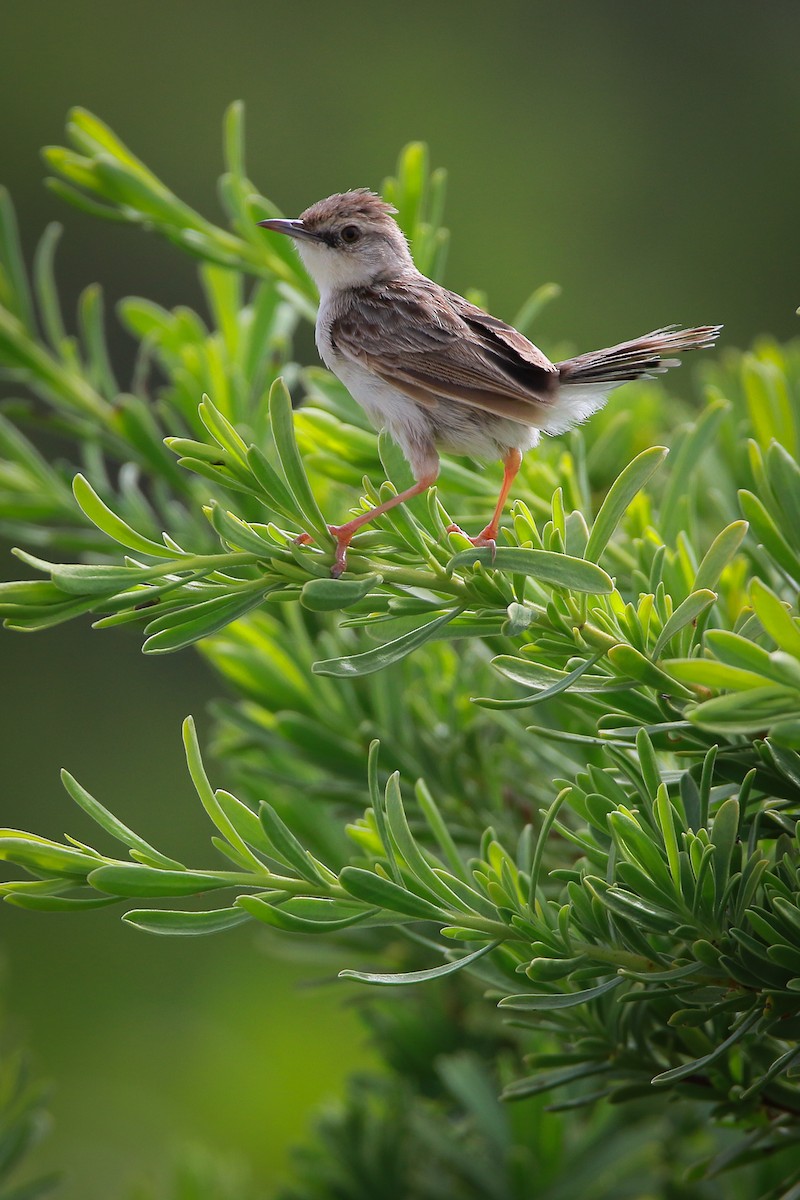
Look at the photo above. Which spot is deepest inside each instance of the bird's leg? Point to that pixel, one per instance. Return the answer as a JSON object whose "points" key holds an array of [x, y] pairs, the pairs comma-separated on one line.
{"points": [[344, 534], [488, 536]]}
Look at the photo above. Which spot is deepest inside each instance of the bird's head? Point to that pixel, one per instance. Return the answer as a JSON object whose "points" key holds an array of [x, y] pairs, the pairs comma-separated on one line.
{"points": [[348, 240]]}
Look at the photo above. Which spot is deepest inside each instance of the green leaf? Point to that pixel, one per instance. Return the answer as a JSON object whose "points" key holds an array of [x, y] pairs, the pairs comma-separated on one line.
{"points": [[223, 432], [786, 733], [208, 798], [134, 880], [244, 821], [186, 924], [94, 579], [378, 810], [686, 612], [622, 491], [415, 860], [93, 136], [39, 855], [724, 832], [106, 820], [739, 651], [648, 764], [286, 844], [642, 913], [752, 711], [548, 820], [319, 742], [327, 595], [546, 1081], [134, 190], [664, 813], [239, 534], [39, 604], [639, 845], [57, 903], [409, 977], [765, 529], [718, 555], [541, 1002], [234, 139], [46, 288], [440, 831], [698, 1065], [784, 475], [709, 674], [281, 422], [545, 566], [383, 656], [19, 297], [684, 471], [77, 199], [219, 473], [769, 407], [776, 618], [319, 914], [99, 369], [190, 625], [550, 681], [629, 662], [271, 483], [382, 893]]}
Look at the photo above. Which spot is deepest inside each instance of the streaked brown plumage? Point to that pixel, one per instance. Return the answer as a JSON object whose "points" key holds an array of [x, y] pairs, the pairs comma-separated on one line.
{"points": [[435, 370]]}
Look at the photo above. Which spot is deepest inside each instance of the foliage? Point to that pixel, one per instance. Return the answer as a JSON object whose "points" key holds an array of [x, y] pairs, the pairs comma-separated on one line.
{"points": [[436, 1127], [23, 1123], [620, 876], [198, 1175]]}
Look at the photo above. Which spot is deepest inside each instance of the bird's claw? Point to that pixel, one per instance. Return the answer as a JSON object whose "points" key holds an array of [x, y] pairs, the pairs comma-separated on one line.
{"points": [[342, 538], [486, 537]]}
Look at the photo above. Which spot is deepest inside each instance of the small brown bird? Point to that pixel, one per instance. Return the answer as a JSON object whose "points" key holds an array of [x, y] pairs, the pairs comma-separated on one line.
{"points": [[435, 370]]}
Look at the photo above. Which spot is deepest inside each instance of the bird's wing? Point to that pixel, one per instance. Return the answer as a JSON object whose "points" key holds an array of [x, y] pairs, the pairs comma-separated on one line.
{"points": [[433, 345]]}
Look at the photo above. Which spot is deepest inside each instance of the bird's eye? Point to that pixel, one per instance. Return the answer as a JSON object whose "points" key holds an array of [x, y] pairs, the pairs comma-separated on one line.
{"points": [[350, 234]]}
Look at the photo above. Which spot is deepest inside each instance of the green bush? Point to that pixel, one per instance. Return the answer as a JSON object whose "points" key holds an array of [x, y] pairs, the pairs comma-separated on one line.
{"points": [[557, 788], [23, 1123]]}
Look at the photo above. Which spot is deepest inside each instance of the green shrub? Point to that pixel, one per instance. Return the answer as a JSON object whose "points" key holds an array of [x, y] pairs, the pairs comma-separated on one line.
{"points": [[563, 782]]}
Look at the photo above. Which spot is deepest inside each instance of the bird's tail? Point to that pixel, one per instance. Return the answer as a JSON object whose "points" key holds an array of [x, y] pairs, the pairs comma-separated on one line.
{"points": [[638, 359]]}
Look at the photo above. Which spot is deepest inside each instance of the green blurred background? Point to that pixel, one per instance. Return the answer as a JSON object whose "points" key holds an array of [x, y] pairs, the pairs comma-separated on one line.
{"points": [[646, 157]]}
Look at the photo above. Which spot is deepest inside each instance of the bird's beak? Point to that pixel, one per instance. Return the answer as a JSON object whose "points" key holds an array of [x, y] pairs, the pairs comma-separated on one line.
{"points": [[293, 228]]}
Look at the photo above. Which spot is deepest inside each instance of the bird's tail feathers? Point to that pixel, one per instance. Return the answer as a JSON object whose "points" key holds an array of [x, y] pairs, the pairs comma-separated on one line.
{"points": [[638, 359]]}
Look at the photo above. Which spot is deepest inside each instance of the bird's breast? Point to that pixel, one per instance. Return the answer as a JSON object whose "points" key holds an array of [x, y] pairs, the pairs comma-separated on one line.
{"points": [[385, 405], [322, 336]]}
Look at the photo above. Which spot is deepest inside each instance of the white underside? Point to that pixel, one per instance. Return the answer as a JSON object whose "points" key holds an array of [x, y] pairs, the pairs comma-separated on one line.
{"points": [[574, 403]]}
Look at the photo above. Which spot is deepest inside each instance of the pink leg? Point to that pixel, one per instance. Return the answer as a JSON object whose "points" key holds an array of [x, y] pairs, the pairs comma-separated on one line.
{"points": [[488, 536], [345, 533]]}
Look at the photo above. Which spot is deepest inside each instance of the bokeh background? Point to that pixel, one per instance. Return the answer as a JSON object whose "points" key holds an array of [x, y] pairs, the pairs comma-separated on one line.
{"points": [[645, 156]]}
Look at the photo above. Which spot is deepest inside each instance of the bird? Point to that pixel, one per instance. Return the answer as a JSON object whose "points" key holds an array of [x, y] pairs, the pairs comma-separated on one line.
{"points": [[436, 371]]}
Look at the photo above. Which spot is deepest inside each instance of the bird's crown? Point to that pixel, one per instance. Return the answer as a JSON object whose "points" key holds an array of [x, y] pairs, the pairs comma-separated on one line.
{"points": [[347, 206]]}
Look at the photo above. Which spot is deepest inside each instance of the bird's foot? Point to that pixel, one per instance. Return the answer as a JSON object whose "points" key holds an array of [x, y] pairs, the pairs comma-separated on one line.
{"points": [[486, 537], [342, 535]]}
